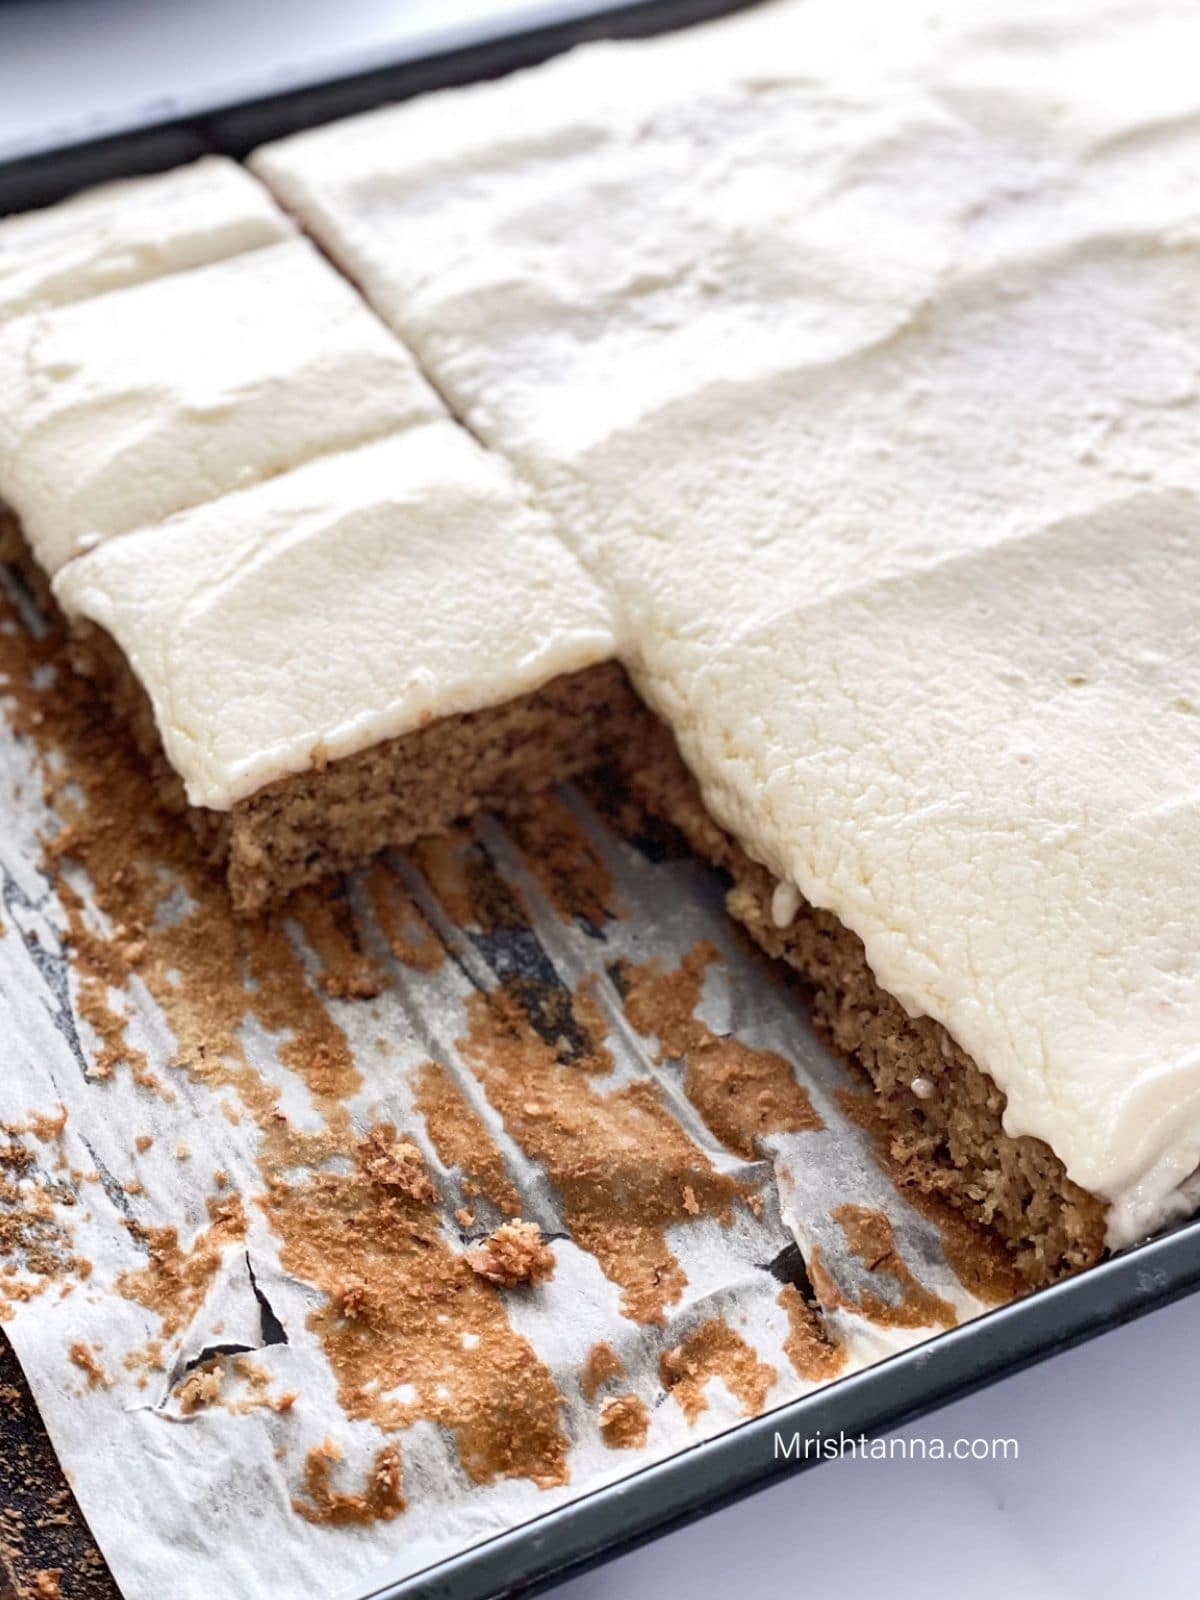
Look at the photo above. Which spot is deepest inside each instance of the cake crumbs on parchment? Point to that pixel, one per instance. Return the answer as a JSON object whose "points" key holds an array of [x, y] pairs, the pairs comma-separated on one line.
{"points": [[569, 869], [83, 1355], [514, 1254], [45, 1126], [201, 1387], [715, 1350], [380, 1501], [809, 1347], [347, 970], [624, 1422], [602, 1364], [396, 1163], [182, 1152], [906, 1302], [463, 1217], [175, 1280], [462, 1139], [409, 934], [142, 1143], [619, 1160], [742, 1092], [490, 1390]]}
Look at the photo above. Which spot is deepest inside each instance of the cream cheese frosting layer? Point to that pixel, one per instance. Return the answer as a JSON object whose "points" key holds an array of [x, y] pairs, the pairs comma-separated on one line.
{"points": [[118, 411], [989, 768], [341, 604], [856, 352], [131, 231]]}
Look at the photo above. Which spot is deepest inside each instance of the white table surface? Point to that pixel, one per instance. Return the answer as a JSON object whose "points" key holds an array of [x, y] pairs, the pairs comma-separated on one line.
{"points": [[1102, 1500]]}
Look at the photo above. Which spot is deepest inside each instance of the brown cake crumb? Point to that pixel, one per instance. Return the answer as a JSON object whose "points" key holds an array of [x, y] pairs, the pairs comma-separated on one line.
{"points": [[602, 1363], [809, 1348], [201, 1387], [715, 1350], [514, 1254], [83, 1356], [461, 1138], [907, 1303], [381, 1500], [396, 1163], [624, 1422], [619, 1160], [741, 1092], [569, 869], [174, 1281]]}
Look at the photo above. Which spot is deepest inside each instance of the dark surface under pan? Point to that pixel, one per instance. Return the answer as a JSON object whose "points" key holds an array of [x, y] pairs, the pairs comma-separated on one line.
{"points": [[718, 1471]]}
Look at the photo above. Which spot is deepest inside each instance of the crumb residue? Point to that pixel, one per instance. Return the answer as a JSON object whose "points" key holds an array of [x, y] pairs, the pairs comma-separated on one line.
{"points": [[201, 1387], [514, 1254], [380, 1501], [347, 971], [715, 1350], [624, 1422], [905, 1302], [809, 1348], [396, 1163], [399, 1301], [461, 1138], [741, 1092], [569, 869], [472, 894], [619, 1161], [83, 1356], [174, 1281], [602, 1363], [405, 927], [978, 1259], [35, 1242]]}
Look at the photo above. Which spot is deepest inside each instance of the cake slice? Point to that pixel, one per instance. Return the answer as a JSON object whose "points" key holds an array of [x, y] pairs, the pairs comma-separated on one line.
{"points": [[119, 410], [132, 231], [353, 654]]}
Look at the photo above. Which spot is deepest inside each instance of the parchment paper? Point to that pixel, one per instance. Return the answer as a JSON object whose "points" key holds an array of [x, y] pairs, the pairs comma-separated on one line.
{"points": [[193, 1490]]}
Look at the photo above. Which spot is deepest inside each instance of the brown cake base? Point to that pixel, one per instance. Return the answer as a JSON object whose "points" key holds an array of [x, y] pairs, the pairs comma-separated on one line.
{"points": [[305, 827]]}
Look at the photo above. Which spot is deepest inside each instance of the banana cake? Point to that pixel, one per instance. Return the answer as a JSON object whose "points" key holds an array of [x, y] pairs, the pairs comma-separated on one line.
{"points": [[797, 412]]}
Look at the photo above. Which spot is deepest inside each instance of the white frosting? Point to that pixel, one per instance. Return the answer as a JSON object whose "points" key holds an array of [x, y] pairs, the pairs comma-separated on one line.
{"points": [[856, 351], [344, 603], [129, 232], [117, 411]]}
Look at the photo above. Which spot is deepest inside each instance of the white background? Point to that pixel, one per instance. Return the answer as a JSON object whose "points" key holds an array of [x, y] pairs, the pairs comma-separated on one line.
{"points": [[1102, 1501]]}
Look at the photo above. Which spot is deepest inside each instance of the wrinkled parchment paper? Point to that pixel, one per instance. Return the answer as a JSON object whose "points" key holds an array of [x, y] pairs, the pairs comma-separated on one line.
{"points": [[182, 1337]]}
